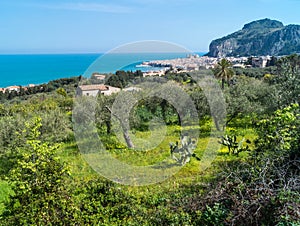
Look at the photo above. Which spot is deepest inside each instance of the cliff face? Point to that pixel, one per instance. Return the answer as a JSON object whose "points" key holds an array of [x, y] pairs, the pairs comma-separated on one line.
{"points": [[262, 37]]}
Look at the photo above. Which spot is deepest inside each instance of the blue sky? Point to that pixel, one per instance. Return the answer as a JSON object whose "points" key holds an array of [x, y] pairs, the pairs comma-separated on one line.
{"points": [[78, 26]]}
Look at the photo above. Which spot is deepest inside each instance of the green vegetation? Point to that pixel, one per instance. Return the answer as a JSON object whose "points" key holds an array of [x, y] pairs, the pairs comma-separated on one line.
{"points": [[254, 179], [121, 78]]}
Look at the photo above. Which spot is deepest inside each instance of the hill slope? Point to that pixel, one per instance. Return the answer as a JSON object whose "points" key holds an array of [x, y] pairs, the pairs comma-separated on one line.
{"points": [[261, 37]]}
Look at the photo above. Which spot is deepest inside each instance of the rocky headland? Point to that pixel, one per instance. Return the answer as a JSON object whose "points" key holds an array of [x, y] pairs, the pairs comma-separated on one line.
{"points": [[258, 38]]}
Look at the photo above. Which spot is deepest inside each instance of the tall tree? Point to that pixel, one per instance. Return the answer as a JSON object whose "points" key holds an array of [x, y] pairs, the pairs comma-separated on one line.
{"points": [[223, 70]]}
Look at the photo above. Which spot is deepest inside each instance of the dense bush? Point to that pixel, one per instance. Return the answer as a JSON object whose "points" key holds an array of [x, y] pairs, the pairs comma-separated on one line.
{"points": [[255, 72], [265, 189], [122, 78], [37, 178]]}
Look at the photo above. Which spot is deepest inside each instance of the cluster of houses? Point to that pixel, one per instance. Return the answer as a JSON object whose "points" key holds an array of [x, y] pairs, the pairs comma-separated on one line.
{"points": [[15, 88], [195, 63], [101, 89]]}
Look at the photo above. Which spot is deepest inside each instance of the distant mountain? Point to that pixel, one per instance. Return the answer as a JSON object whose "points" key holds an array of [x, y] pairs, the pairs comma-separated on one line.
{"points": [[261, 37]]}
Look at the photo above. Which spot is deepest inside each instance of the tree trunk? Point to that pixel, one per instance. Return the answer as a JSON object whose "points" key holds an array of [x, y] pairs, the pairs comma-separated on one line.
{"points": [[108, 127], [127, 138], [163, 106], [230, 119], [179, 119], [125, 130], [216, 123], [223, 83]]}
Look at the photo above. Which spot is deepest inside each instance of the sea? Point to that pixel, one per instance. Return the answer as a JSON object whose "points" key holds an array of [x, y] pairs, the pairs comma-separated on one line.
{"points": [[25, 69]]}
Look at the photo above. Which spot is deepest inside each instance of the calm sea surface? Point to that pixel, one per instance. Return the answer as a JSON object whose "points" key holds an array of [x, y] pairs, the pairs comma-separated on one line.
{"points": [[41, 68]]}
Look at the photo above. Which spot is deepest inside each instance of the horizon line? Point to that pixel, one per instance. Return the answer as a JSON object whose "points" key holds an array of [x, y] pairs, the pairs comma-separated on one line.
{"points": [[74, 53]]}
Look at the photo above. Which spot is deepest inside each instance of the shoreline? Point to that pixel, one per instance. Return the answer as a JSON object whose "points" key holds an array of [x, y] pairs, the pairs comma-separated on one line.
{"points": [[31, 70]]}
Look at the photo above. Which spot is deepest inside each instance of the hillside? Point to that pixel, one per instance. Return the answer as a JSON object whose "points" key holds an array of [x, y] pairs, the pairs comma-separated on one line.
{"points": [[239, 170], [257, 38]]}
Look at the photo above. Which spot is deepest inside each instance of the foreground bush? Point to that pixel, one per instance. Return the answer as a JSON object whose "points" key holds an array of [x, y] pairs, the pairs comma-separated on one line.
{"points": [[264, 190]]}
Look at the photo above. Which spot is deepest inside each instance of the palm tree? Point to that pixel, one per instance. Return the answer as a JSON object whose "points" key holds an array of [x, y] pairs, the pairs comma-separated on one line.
{"points": [[223, 71]]}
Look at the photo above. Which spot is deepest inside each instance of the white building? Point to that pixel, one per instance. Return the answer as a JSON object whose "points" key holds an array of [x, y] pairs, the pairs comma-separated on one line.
{"points": [[13, 88], [260, 61], [99, 76], [94, 90]]}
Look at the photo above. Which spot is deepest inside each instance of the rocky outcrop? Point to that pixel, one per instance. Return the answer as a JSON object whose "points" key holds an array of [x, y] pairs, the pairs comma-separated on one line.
{"points": [[261, 37]]}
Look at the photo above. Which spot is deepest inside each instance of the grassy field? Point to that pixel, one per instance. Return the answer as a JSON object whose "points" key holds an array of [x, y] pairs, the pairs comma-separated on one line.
{"points": [[191, 173]]}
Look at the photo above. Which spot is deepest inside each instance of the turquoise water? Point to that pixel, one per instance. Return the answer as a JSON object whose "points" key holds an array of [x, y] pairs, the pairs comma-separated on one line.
{"points": [[41, 68], [37, 69]]}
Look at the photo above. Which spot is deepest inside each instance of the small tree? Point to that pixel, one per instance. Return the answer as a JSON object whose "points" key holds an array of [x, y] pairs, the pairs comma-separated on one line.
{"points": [[61, 91], [287, 80], [37, 178]]}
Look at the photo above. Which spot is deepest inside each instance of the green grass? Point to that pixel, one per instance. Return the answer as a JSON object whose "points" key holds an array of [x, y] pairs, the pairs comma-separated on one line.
{"points": [[78, 167], [188, 174]]}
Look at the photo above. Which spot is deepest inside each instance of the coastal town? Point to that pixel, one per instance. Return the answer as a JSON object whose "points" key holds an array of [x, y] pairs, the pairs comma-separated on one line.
{"points": [[192, 62]]}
